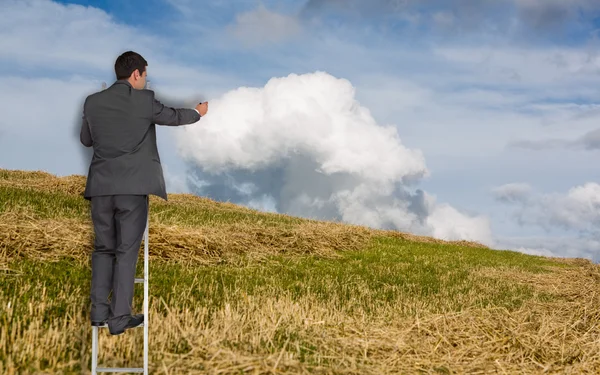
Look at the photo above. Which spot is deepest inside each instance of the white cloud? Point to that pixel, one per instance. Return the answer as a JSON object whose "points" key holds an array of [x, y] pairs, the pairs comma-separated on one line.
{"points": [[578, 209], [326, 154], [314, 113], [450, 224]]}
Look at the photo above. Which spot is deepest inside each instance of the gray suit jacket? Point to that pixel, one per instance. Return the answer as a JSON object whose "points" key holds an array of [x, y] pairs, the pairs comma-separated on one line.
{"points": [[119, 123]]}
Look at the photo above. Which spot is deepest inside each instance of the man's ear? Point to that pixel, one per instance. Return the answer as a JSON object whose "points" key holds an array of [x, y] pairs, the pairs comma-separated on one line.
{"points": [[136, 74]]}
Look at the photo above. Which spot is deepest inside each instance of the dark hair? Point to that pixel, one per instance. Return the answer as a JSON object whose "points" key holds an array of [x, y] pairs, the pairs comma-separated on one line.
{"points": [[128, 62]]}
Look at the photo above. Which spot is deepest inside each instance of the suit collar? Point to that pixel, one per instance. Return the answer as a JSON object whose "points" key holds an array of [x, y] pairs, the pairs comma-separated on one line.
{"points": [[123, 82]]}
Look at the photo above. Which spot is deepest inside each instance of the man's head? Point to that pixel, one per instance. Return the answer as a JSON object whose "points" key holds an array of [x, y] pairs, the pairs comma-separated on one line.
{"points": [[132, 67]]}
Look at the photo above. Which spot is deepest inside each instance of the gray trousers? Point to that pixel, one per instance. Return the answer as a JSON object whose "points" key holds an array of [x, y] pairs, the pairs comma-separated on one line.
{"points": [[119, 224]]}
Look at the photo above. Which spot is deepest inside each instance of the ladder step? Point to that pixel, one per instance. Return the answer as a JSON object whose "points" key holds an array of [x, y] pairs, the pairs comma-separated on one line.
{"points": [[138, 281], [123, 369]]}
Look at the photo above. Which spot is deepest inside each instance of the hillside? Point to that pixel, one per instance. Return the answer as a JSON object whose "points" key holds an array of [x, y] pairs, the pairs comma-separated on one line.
{"points": [[234, 290]]}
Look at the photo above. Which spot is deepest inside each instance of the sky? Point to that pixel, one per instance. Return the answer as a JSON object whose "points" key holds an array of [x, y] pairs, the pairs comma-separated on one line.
{"points": [[458, 119]]}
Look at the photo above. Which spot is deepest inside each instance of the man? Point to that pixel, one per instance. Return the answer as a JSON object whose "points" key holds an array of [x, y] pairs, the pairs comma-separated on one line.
{"points": [[119, 123]]}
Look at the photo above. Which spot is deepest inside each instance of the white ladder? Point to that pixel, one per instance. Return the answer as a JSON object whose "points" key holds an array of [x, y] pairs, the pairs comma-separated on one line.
{"points": [[144, 370]]}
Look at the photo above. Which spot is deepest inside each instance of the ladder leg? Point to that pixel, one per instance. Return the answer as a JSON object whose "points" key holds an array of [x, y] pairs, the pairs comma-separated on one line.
{"points": [[94, 350], [146, 318]]}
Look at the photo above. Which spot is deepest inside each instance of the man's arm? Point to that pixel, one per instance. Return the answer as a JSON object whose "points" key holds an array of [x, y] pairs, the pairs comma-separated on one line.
{"points": [[84, 135], [164, 115]]}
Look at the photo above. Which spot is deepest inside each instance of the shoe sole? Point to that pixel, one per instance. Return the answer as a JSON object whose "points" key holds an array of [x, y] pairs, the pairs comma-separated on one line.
{"points": [[116, 333]]}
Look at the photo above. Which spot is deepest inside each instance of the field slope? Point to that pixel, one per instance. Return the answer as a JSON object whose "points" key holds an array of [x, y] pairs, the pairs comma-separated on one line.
{"points": [[235, 291]]}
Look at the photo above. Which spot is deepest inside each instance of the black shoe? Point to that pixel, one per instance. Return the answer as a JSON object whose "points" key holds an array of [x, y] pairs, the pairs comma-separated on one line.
{"points": [[134, 321]]}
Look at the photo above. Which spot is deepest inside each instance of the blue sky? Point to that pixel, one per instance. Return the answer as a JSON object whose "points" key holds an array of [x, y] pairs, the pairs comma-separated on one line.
{"points": [[499, 96]]}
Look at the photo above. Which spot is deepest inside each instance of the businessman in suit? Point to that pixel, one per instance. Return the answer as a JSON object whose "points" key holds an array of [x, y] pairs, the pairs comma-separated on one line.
{"points": [[119, 123]]}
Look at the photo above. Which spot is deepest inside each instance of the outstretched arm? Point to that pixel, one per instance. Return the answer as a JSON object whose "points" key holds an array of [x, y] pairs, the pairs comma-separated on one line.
{"points": [[164, 115]]}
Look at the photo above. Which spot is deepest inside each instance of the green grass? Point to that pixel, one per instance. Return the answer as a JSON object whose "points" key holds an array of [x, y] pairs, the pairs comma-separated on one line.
{"points": [[214, 215], [435, 278], [43, 204], [48, 205]]}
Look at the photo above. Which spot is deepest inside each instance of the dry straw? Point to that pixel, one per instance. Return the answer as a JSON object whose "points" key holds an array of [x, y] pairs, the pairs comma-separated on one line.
{"points": [[266, 334], [23, 234]]}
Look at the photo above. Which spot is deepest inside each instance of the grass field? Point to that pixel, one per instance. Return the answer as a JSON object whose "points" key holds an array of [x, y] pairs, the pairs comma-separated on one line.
{"points": [[237, 291]]}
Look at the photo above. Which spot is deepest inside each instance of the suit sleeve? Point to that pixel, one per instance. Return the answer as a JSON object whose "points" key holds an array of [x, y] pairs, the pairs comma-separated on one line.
{"points": [[84, 135], [165, 115]]}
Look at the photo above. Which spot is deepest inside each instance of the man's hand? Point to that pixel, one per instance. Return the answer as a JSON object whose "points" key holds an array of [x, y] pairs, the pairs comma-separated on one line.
{"points": [[202, 108]]}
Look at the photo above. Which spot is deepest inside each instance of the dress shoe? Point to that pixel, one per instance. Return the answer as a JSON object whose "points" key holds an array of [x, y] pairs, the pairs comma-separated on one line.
{"points": [[134, 321]]}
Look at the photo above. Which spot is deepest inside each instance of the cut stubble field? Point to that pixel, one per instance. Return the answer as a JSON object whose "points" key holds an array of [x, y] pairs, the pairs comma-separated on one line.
{"points": [[238, 291]]}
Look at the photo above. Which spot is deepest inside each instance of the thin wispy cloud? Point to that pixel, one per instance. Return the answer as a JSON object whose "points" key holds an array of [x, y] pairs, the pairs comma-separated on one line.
{"points": [[262, 26], [590, 141], [576, 211], [520, 20]]}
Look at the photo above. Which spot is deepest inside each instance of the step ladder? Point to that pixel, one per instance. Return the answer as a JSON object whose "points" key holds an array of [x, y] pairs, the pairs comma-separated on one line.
{"points": [[144, 370]]}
